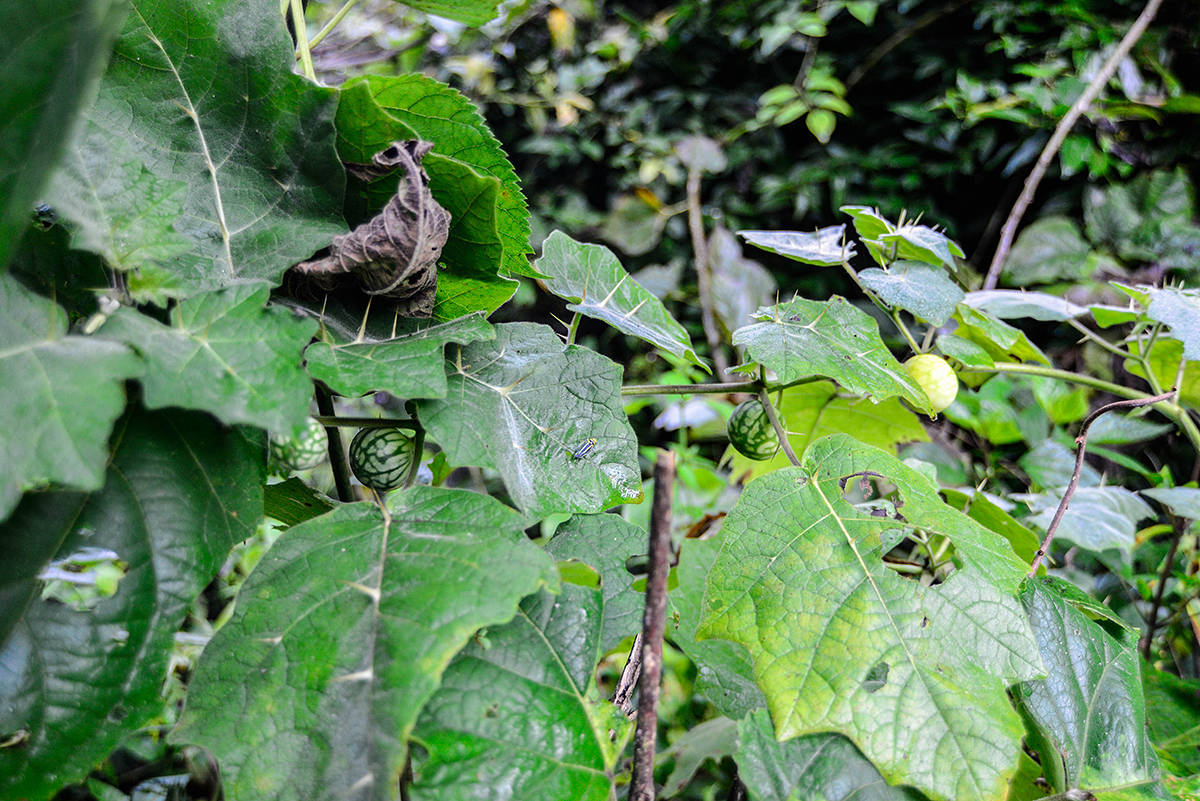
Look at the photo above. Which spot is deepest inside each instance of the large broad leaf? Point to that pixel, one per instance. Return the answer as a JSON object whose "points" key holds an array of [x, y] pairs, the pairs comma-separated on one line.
{"points": [[1151, 218], [58, 399], [593, 281], [921, 243], [823, 766], [408, 365], [1179, 310], [474, 252], [1173, 707], [714, 739], [605, 542], [914, 675], [541, 401], [439, 114], [1090, 708], [331, 667], [998, 338], [518, 716], [1182, 501], [1049, 250], [803, 338], [225, 353], [724, 674], [180, 492], [52, 53], [1098, 518], [201, 135], [812, 411], [924, 291], [826, 247], [1007, 304]]}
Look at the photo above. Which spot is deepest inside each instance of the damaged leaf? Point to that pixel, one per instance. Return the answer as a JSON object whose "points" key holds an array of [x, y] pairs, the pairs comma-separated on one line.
{"points": [[395, 253]]}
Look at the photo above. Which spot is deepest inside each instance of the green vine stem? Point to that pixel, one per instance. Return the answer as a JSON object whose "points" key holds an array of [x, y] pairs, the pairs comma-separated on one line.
{"points": [[723, 388], [302, 40], [333, 23], [573, 328], [418, 445], [765, 398], [337, 451], [331, 421]]}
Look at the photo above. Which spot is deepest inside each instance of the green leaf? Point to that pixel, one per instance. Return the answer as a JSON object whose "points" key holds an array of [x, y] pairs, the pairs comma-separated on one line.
{"points": [[474, 252], [1098, 518], [246, 143], [998, 338], [1050, 249], [1164, 358], [1179, 310], [825, 766], [53, 54], [1173, 707], [1148, 219], [331, 667], [825, 247], [1182, 501], [803, 338], [409, 365], [724, 674], [1050, 464], [596, 285], [1124, 429], [812, 411], [870, 225], [980, 508], [224, 353], [1090, 706], [1008, 304], [292, 502], [988, 411], [479, 730], [801, 584], [701, 153], [604, 542], [926, 292], [541, 400], [922, 243], [180, 492], [469, 12], [440, 114], [53, 431], [1062, 402], [713, 739], [634, 226]]}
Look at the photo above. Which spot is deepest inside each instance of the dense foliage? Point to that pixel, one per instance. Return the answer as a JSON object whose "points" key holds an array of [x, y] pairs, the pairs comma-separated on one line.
{"points": [[929, 541]]}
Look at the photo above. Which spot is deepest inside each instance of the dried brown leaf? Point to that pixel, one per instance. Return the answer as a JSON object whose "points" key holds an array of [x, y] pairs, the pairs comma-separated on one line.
{"points": [[395, 253]]}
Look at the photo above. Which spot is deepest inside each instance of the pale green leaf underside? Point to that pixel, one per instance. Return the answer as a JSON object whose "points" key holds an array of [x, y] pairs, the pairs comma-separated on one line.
{"points": [[803, 338], [1098, 518], [1179, 310], [181, 490], [924, 291], [53, 432], [825, 247], [201, 95], [410, 365], [800, 583], [483, 741], [540, 400], [1090, 706], [593, 281], [331, 667], [1009, 304], [469, 12], [226, 353]]}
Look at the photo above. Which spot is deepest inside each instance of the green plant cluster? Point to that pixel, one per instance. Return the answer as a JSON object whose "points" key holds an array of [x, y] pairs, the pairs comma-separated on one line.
{"points": [[898, 602]]}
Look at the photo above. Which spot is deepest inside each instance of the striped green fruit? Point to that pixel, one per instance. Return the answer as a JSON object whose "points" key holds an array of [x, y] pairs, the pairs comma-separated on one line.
{"points": [[304, 452], [751, 433], [381, 457]]}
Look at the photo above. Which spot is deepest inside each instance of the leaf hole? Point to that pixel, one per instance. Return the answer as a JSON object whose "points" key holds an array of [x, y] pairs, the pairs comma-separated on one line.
{"points": [[876, 677]]}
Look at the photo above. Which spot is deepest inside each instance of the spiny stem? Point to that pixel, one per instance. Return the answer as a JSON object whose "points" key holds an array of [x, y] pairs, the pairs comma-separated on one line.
{"points": [[780, 431], [714, 388], [337, 452], [330, 421], [418, 445], [573, 328], [912, 343], [1080, 448]]}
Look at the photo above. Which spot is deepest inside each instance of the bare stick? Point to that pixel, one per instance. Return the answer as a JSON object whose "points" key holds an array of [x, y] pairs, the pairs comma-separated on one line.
{"points": [[1008, 232], [1152, 623], [623, 697], [337, 453], [703, 279], [1080, 447], [641, 786]]}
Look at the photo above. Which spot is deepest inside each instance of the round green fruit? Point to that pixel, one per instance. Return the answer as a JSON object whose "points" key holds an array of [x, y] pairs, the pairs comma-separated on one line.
{"points": [[936, 377], [300, 453], [751, 433], [381, 457]]}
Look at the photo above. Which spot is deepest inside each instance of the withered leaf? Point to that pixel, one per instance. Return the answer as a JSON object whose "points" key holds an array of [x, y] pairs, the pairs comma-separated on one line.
{"points": [[395, 253]]}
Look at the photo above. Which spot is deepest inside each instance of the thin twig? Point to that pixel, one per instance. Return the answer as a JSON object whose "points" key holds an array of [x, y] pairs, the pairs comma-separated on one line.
{"points": [[703, 278], [780, 431], [623, 697], [1080, 448], [1152, 622], [641, 786], [337, 452], [1008, 232]]}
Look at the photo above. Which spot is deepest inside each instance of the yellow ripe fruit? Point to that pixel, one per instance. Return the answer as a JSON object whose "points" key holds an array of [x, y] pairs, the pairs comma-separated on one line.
{"points": [[936, 377]]}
